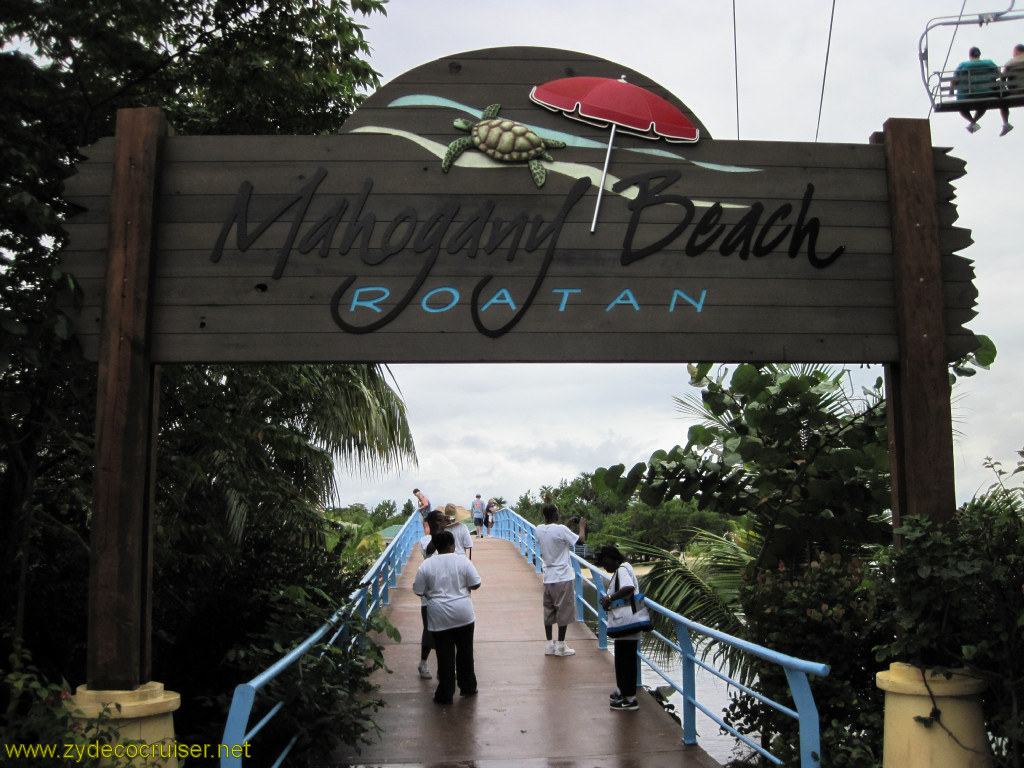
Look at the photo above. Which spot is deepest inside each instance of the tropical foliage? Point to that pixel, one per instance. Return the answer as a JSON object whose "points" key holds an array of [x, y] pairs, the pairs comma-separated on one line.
{"points": [[252, 440], [795, 580], [799, 461], [792, 447], [958, 592], [220, 626], [702, 584], [614, 519], [829, 611], [246, 455]]}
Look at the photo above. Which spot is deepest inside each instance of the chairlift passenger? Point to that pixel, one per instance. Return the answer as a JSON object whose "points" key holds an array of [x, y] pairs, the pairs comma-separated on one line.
{"points": [[976, 78], [1013, 83], [974, 94]]}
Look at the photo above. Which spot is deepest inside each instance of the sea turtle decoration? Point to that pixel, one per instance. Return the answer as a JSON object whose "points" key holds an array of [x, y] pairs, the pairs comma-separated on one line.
{"points": [[504, 140]]}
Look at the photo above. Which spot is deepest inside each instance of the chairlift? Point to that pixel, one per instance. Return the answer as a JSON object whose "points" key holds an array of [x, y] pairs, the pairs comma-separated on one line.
{"points": [[974, 89]]}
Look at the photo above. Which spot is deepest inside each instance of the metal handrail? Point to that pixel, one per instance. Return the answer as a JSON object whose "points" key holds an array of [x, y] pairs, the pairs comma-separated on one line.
{"points": [[511, 526], [373, 593]]}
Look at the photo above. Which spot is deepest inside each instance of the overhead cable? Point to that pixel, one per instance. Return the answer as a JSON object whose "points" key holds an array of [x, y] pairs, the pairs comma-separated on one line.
{"points": [[828, 47]]}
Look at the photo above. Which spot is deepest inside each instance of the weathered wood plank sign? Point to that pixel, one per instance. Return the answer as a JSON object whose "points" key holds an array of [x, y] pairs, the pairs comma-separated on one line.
{"points": [[360, 247]]}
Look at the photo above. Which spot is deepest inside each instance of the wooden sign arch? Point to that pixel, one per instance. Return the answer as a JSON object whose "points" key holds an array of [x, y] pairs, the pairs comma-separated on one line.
{"points": [[358, 246], [361, 247]]}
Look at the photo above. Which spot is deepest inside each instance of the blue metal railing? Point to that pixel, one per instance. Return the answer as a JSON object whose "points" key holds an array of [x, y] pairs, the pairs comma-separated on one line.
{"points": [[511, 526], [372, 593]]}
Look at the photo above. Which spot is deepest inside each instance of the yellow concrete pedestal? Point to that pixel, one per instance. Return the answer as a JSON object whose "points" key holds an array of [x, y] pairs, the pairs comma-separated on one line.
{"points": [[142, 729], [957, 741]]}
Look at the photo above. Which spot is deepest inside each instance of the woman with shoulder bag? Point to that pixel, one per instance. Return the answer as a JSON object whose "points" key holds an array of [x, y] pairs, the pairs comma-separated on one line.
{"points": [[626, 621]]}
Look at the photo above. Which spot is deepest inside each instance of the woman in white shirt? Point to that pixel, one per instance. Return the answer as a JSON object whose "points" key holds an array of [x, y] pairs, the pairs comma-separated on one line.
{"points": [[623, 584], [445, 581]]}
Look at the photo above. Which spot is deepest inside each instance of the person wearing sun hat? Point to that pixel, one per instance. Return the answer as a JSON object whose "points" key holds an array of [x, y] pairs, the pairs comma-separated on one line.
{"points": [[445, 521]]}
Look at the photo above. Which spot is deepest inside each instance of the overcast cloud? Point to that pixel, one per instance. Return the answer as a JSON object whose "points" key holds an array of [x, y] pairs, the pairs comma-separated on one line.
{"points": [[505, 429]]}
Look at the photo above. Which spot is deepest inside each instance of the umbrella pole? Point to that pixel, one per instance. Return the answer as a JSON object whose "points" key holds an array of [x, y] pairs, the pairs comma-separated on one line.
{"points": [[604, 175]]}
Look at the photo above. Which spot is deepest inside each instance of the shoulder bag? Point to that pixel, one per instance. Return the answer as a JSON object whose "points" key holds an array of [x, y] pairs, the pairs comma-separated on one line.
{"points": [[628, 615]]}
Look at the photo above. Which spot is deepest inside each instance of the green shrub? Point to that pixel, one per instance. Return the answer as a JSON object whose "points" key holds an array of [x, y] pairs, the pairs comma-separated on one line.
{"points": [[959, 597], [827, 612], [327, 694], [34, 715], [221, 623]]}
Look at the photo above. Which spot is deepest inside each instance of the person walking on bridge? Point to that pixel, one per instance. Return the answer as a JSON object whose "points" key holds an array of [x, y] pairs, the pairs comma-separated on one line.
{"points": [[477, 507], [446, 580], [423, 507], [435, 521], [556, 542]]}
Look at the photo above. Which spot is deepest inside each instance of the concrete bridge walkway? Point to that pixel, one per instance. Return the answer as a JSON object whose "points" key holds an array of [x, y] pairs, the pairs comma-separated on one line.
{"points": [[533, 711]]}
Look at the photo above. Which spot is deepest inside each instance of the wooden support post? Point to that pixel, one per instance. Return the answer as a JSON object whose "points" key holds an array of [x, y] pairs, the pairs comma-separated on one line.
{"points": [[118, 633], [917, 387]]}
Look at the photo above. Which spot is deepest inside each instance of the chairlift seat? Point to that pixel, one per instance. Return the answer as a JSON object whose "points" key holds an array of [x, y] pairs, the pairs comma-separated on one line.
{"points": [[981, 102], [945, 98]]}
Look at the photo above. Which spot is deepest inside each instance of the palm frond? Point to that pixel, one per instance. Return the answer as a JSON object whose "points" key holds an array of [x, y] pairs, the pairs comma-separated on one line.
{"points": [[702, 586]]}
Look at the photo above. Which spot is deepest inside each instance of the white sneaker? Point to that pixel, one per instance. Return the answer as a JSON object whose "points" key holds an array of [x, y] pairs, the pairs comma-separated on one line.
{"points": [[561, 649], [549, 649], [1006, 129], [973, 128], [424, 670]]}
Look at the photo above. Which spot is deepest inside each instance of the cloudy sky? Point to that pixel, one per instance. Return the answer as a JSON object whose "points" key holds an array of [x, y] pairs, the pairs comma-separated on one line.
{"points": [[506, 429]]}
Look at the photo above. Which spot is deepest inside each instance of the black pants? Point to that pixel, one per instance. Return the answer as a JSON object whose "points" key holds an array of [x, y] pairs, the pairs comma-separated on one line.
{"points": [[426, 639], [454, 649], [625, 666]]}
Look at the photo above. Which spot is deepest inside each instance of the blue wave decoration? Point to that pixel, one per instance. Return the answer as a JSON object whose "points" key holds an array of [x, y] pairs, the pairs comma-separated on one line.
{"points": [[571, 139]]}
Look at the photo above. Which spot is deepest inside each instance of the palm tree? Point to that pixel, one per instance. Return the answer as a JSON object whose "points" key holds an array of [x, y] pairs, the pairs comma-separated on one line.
{"points": [[702, 584], [244, 440], [794, 446], [790, 451]]}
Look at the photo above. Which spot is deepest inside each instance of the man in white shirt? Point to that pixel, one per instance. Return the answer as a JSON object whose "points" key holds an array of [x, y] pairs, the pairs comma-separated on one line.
{"points": [[477, 508], [445, 581], [556, 542]]}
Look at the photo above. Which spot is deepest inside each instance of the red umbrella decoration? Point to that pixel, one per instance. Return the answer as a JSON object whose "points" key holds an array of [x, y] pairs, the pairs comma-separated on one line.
{"points": [[603, 101]]}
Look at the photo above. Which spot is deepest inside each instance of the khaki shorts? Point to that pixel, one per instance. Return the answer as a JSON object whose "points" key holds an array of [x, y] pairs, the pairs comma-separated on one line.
{"points": [[560, 603]]}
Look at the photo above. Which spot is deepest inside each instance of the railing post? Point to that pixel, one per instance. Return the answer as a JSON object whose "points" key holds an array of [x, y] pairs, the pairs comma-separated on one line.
{"points": [[237, 722], [689, 684], [602, 615], [387, 580], [578, 586], [810, 736], [400, 556]]}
